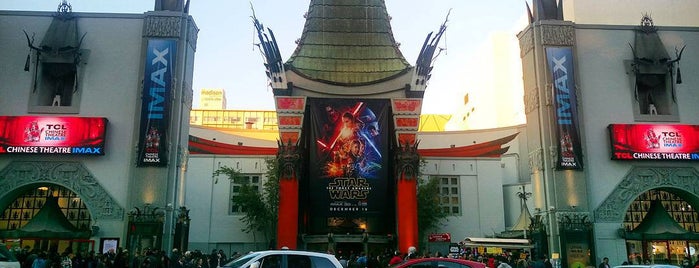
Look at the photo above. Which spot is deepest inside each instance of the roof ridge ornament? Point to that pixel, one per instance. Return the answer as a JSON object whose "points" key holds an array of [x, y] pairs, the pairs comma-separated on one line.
{"points": [[64, 8], [427, 56], [647, 25]]}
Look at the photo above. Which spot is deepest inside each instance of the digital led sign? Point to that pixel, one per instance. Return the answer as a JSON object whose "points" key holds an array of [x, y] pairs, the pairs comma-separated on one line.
{"points": [[52, 135], [654, 142]]}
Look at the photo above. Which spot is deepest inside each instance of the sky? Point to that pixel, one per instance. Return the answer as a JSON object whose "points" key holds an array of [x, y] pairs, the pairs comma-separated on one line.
{"points": [[227, 58]]}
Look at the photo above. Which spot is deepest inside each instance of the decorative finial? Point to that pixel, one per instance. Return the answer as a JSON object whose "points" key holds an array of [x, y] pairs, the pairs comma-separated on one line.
{"points": [[647, 25], [64, 7]]}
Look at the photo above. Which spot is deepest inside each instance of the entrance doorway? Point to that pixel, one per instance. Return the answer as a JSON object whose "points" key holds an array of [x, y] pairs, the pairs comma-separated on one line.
{"points": [[348, 250], [665, 210]]}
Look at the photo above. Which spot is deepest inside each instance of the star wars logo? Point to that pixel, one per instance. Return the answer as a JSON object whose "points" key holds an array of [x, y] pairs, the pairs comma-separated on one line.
{"points": [[349, 188]]}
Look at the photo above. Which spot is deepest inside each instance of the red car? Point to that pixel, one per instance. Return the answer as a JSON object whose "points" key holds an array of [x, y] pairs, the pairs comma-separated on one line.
{"points": [[439, 263]]}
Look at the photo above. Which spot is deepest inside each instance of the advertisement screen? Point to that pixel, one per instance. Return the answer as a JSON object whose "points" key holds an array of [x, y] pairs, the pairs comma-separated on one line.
{"points": [[654, 142], [348, 157], [52, 135]]}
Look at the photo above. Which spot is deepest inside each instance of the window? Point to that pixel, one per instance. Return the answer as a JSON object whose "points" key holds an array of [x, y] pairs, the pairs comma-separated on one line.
{"points": [[56, 85], [450, 195], [56, 64], [237, 185], [271, 261], [652, 74]]}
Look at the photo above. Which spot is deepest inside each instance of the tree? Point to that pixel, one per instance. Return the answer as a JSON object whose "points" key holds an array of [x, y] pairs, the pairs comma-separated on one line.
{"points": [[429, 211], [259, 206]]}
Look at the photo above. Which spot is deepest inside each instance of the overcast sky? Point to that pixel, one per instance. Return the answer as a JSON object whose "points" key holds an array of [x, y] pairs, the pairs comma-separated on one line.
{"points": [[226, 57]]}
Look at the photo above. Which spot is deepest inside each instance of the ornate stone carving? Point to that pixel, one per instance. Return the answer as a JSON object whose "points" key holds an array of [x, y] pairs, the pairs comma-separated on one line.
{"points": [[531, 99], [573, 220], [192, 35], [526, 42], [553, 153], [536, 161], [71, 175], [288, 159], [162, 26], [557, 35], [407, 161], [640, 180]]}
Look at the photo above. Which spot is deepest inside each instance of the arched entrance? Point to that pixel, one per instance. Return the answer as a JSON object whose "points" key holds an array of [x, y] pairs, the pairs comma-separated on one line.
{"points": [[657, 209], [27, 186]]}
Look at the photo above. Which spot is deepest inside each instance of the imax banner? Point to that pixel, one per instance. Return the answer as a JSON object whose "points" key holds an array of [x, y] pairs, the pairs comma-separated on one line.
{"points": [[155, 106], [560, 64], [349, 174]]}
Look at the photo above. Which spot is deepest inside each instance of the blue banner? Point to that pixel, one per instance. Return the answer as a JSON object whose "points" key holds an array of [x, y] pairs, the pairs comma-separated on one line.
{"points": [[155, 105], [561, 67]]}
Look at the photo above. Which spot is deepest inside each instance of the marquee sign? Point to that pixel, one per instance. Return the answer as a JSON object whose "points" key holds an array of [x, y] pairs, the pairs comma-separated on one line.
{"points": [[52, 135], [654, 142]]}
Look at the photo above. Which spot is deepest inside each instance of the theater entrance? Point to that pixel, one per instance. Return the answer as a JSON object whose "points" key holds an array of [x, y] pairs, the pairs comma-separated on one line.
{"points": [[349, 250]]}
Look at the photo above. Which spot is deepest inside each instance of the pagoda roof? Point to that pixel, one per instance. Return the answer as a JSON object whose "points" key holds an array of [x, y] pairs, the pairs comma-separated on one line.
{"points": [[493, 148], [347, 43]]}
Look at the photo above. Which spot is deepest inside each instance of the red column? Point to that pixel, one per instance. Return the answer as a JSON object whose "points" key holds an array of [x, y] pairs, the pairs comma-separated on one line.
{"points": [[406, 213], [287, 224]]}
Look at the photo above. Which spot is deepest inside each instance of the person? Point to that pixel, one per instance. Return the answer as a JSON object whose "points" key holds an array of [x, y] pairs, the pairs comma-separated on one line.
{"points": [[412, 253], [343, 261], [396, 259], [362, 260], [605, 263], [547, 262], [501, 264], [40, 261]]}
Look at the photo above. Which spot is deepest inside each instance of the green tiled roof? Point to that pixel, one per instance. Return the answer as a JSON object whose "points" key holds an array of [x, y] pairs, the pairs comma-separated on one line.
{"points": [[347, 42]]}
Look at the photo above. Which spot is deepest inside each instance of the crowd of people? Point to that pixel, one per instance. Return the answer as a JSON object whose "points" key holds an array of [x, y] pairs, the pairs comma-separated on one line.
{"points": [[121, 258]]}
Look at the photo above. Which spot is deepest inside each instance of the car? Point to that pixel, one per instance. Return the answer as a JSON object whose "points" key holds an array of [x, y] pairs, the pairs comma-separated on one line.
{"points": [[7, 259], [439, 262], [285, 259], [647, 266]]}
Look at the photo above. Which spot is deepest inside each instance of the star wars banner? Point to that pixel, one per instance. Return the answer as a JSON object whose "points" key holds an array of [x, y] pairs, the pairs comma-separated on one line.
{"points": [[349, 157], [654, 142], [155, 106], [560, 64]]}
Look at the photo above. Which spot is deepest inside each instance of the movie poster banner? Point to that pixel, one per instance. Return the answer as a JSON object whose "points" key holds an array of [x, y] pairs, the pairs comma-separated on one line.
{"points": [[52, 135], [155, 102], [560, 64], [349, 170], [654, 142]]}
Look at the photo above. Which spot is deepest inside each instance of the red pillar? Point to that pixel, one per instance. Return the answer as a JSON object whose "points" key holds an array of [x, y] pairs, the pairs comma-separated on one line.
{"points": [[287, 224], [406, 213]]}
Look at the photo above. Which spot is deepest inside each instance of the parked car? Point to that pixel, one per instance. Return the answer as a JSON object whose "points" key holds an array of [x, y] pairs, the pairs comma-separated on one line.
{"points": [[647, 266], [439, 262], [285, 259], [7, 259]]}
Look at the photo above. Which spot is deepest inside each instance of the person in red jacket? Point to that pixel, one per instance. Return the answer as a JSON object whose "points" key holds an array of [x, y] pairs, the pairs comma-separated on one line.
{"points": [[396, 259]]}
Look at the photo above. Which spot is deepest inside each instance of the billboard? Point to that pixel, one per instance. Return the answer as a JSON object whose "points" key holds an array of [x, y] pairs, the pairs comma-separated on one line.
{"points": [[349, 161], [560, 64], [52, 135], [654, 142], [155, 102]]}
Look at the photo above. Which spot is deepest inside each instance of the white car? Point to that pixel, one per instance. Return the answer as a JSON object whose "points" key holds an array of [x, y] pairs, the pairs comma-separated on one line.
{"points": [[285, 259], [647, 266], [7, 259]]}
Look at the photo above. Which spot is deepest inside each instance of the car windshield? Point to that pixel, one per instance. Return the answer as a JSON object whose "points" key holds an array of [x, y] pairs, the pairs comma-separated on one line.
{"points": [[6, 255], [242, 260]]}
